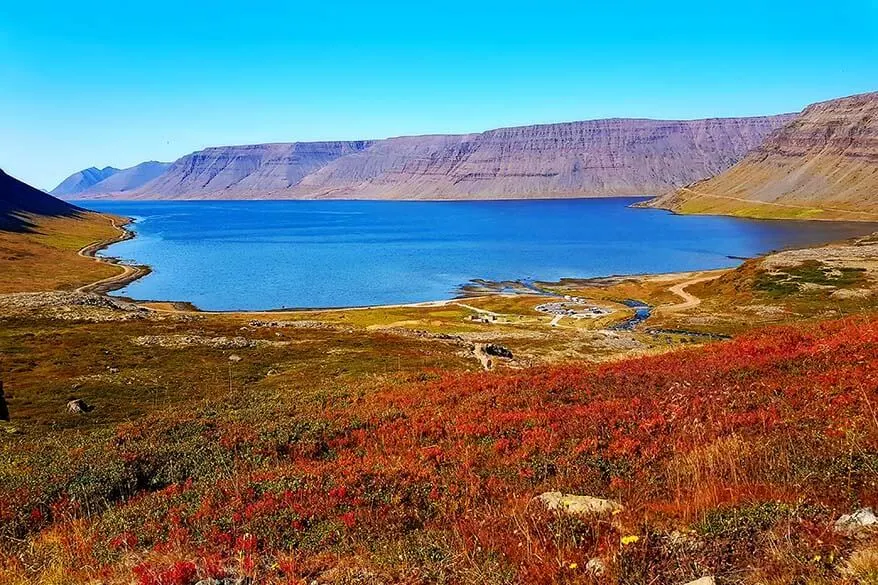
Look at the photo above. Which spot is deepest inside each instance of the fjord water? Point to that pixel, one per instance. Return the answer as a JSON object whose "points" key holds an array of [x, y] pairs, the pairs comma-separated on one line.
{"points": [[249, 255]]}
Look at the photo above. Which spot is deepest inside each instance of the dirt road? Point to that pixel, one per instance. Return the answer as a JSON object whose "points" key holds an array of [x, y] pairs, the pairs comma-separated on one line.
{"points": [[689, 300], [128, 274]]}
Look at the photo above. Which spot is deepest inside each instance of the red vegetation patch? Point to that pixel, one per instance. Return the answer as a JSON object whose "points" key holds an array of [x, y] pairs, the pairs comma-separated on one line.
{"points": [[429, 480]]}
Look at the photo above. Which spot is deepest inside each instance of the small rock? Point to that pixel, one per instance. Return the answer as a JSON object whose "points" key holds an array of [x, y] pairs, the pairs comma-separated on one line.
{"points": [[703, 581], [579, 505], [79, 406], [596, 567], [498, 350], [855, 524]]}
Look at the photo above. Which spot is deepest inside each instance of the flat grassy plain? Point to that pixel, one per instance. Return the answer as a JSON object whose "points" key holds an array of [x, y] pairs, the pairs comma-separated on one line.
{"points": [[368, 446]]}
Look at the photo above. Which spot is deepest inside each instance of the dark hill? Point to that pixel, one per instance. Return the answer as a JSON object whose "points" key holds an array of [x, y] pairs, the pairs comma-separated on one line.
{"points": [[19, 201]]}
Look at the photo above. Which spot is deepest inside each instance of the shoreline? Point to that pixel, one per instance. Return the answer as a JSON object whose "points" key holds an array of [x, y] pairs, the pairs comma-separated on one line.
{"points": [[129, 274], [132, 273]]}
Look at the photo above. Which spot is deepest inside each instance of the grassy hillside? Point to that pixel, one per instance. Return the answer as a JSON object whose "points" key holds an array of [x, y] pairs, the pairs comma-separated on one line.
{"points": [[822, 165], [44, 257], [361, 446], [734, 459], [40, 237]]}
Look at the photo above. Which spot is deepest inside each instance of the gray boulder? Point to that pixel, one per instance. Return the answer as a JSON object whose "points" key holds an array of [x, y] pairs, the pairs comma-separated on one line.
{"points": [[579, 505], [858, 523]]}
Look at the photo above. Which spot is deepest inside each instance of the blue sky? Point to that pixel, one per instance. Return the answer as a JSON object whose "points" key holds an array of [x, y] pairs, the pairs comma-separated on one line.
{"points": [[99, 83]]}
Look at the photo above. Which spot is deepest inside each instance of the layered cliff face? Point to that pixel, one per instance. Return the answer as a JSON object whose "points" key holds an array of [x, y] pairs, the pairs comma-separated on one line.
{"points": [[244, 172], [824, 164], [594, 158], [82, 180], [599, 157]]}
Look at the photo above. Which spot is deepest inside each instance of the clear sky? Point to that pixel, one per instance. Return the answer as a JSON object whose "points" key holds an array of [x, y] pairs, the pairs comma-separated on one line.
{"points": [[87, 83]]}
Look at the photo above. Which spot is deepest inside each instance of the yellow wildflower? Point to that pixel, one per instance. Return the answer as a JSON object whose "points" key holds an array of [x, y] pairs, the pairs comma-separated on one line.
{"points": [[630, 539]]}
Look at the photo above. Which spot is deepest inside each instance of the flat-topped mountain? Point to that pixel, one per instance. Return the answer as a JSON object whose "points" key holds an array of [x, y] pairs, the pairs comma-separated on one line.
{"points": [[824, 164], [575, 159], [19, 202], [594, 158], [93, 182], [82, 180]]}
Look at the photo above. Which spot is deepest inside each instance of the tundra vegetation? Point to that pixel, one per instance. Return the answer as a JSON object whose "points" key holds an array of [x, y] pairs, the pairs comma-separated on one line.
{"points": [[368, 447]]}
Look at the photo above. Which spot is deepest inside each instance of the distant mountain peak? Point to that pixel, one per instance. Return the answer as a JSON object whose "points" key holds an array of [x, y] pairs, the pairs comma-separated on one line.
{"points": [[82, 180], [94, 181]]}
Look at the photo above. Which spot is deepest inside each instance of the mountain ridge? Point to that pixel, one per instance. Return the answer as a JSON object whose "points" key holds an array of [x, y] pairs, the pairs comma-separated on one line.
{"points": [[130, 178], [823, 165], [615, 156], [82, 180], [94, 181]]}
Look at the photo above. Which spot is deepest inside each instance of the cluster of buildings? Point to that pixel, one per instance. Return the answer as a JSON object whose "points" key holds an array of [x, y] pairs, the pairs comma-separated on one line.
{"points": [[574, 307]]}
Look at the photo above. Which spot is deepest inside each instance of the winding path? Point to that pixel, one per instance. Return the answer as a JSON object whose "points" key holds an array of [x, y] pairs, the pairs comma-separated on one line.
{"points": [[128, 274], [690, 301]]}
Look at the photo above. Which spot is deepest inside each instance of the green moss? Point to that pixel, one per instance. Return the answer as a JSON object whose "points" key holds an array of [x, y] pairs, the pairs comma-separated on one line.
{"points": [[744, 522], [811, 272]]}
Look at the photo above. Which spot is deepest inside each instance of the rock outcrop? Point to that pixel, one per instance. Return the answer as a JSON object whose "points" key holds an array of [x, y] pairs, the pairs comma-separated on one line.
{"points": [[576, 159], [823, 164], [78, 406], [579, 505], [861, 522]]}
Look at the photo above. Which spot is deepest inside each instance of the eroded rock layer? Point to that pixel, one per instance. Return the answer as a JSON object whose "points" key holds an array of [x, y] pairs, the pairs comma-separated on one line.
{"points": [[824, 164], [593, 158]]}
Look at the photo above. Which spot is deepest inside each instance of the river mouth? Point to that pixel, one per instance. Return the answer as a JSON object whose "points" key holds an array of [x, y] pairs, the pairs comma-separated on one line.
{"points": [[278, 255]]}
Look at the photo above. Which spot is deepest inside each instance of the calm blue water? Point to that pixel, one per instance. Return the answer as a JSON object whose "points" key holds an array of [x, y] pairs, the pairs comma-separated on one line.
{"points": [[225, 255]]}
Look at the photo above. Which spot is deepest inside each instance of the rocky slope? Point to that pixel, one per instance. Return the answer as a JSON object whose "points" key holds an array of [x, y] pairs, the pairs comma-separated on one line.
{"points": [[19, 202], [599, 157], [82, 180], [824, 164], [593, 158]]}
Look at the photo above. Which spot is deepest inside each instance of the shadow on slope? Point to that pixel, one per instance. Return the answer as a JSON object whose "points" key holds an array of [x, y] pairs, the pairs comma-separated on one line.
{"points": [[19, 201]]}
